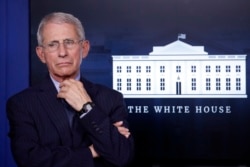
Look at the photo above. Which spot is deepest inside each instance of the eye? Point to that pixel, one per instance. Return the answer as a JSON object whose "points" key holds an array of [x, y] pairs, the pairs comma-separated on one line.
{"points": [[68, 42], [52, 44]]}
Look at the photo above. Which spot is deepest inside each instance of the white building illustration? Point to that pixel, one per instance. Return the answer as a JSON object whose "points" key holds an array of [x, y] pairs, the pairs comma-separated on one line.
{"points": [[179, 70]]}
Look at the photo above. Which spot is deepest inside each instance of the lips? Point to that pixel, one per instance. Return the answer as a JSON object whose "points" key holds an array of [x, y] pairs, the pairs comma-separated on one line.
{"points": [[64, 64]]}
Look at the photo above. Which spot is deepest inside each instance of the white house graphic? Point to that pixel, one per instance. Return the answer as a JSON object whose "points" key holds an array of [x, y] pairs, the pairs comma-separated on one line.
{"points": [[179, 70]]}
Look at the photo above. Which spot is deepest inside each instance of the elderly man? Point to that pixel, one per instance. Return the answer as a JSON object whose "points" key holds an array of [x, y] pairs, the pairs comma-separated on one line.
{"points": [[67, 121]]}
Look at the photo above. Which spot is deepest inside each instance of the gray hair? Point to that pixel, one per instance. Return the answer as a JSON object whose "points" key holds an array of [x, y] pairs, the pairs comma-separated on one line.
{"points": [[60, 17]]}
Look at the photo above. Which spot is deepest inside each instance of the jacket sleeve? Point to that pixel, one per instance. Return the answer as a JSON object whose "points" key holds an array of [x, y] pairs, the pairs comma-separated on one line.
{"points": [[28, 150], [107, 141]]}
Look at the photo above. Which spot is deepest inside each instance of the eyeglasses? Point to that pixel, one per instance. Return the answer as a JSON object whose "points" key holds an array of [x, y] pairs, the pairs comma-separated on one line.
{"points": [[67, 43]]}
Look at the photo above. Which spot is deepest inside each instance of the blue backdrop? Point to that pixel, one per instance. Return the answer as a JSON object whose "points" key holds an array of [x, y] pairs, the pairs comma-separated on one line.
{"points": [[14, 63], [132, 27]]}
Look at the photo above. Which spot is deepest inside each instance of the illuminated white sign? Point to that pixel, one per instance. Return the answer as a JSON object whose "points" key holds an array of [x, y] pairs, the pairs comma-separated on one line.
{"points": [[180, 70]]}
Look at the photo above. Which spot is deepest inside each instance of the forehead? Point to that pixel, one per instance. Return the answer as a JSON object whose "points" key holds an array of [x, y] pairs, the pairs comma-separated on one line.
{"points": [[58, 31]]}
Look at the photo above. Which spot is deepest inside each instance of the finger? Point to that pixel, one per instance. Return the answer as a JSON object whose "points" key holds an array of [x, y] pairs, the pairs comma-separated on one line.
{"points": [[119, 123], [126, 134], [121, 128], [123, 131], [68, 83]]}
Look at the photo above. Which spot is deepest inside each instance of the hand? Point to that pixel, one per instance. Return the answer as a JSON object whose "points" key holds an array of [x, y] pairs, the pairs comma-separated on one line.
{"points": [[74, 93], [94, 153], [124, 131]]}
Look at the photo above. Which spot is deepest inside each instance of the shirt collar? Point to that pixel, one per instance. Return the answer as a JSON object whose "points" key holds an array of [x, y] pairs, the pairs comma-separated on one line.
{"points": [[56, 84]]}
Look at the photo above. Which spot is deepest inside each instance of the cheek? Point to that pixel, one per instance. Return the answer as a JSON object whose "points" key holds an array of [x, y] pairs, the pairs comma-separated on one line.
{"points": [[50, 62], [78, 57]]}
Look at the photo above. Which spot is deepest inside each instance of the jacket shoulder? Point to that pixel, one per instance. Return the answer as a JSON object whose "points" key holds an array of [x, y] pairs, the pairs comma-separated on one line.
{"points": [[29, 92], [101, 89]]}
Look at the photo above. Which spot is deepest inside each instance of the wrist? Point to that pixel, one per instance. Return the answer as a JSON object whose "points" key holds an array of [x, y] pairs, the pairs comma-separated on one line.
{"points": [[87, 107]]}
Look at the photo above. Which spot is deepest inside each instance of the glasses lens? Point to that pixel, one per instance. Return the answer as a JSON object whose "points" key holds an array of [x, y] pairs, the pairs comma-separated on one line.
{"points": [[52, 46], [67, 43]]}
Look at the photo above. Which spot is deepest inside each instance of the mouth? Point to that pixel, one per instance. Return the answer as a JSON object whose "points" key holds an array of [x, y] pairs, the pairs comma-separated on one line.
{"points": [[62, 64]]}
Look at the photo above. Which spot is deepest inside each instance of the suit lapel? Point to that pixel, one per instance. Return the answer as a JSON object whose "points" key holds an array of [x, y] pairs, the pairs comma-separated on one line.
{"points": [[54, 108]]}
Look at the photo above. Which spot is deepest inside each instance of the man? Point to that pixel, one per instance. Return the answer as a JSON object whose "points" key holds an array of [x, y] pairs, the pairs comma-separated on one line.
{"points": [[67, 121]]}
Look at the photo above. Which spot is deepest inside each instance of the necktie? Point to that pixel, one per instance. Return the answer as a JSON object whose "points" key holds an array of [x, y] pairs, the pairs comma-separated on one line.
{"points": [[76, 130], [70, 112]]}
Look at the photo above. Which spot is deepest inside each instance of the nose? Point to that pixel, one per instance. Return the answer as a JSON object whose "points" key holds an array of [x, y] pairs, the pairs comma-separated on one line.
{"points": [[62, 50]]}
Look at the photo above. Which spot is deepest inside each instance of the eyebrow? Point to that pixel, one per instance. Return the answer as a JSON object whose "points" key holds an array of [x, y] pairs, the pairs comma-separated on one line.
{"points": [[67, 39]]}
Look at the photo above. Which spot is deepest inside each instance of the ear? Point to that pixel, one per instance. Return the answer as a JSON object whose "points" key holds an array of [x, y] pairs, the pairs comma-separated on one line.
{"points": [[40, 54], [85, 48]]}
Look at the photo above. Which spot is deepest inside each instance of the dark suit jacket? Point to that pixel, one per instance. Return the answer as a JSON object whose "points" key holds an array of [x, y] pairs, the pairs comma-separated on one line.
{"points": [[41, 136]]}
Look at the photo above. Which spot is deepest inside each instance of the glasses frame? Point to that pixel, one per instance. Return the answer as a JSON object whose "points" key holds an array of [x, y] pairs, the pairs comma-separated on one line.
{"points": [[67, 44]]}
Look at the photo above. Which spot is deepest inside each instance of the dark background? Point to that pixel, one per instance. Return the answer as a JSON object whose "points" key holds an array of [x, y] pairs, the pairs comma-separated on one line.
{"points": [[133, 27]]}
